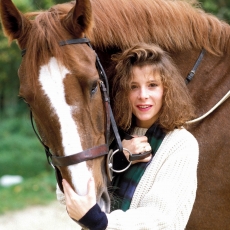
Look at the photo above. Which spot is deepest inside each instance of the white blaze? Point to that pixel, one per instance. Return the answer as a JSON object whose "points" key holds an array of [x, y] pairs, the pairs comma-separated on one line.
{"points": [[51, 78]]}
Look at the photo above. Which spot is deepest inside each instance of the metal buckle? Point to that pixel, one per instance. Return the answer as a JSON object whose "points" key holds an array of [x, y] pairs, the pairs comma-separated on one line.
{"points": [[110, 165]]}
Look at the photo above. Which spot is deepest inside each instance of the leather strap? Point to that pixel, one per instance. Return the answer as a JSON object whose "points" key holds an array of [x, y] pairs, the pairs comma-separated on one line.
{"points": [[76, 158], [140, 156], [74, 41], [193, 71]]}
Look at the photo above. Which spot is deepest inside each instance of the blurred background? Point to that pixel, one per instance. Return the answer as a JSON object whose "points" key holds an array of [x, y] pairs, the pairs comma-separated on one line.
{"points": [[26, 179]]}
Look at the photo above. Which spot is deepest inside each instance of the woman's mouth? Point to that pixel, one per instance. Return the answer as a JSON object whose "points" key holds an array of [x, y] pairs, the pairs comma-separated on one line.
{"points": [[144, 107]]}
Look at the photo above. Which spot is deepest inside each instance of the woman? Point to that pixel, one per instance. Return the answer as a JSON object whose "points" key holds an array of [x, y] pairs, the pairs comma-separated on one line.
{"points": [[158, 192]]}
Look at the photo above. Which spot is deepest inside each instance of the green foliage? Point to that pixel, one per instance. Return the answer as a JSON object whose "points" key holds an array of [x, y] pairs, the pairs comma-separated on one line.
{"points": [[220, 8], [22, 154]]}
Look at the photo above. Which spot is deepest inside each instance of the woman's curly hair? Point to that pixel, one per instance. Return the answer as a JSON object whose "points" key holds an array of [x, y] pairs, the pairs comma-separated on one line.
{"points": [[177, 105]]}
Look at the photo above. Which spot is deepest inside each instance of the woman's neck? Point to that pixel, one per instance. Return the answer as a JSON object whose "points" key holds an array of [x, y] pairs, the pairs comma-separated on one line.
{"points": [[138, 131]]}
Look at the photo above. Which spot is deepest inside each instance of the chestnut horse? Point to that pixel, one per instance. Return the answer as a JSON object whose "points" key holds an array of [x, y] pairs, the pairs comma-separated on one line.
{"points": [[181, 28]]}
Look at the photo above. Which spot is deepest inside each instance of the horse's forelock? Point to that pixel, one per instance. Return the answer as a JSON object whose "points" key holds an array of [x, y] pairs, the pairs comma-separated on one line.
{"points": [[43, 39]]}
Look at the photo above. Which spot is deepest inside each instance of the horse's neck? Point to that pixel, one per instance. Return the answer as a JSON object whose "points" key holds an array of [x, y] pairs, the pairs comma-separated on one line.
{"points": [[212, 78], [185, 60]]}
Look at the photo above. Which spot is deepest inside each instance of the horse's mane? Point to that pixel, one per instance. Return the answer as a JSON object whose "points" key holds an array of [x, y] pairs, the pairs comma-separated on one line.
{"points": [[174, 25]]}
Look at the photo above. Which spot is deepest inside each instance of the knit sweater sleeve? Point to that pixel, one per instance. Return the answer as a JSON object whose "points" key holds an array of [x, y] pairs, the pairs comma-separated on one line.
{"points": [[166, 193]]}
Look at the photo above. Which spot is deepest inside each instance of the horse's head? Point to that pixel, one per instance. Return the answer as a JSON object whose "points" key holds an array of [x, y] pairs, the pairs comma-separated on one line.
{"points": [[60, 83]]}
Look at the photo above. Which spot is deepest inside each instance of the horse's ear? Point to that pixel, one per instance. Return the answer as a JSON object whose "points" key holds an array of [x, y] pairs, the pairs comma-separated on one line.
{"points": [[14, 24], [79, 19]]}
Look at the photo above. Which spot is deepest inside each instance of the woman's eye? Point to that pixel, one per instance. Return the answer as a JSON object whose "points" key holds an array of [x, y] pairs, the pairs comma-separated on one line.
{"points": [[133, 87], [152, 85]]}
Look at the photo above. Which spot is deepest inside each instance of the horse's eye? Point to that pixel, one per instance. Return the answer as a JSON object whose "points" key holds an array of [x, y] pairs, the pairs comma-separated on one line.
{"points": [[94, 88], [22, 98]]}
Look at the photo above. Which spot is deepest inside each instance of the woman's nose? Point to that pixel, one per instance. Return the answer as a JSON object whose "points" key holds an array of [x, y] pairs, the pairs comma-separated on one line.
{"points": [[143, 94]]}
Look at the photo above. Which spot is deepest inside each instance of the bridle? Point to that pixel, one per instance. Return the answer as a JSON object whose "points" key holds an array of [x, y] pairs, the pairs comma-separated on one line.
{"points": [[94, 152]]}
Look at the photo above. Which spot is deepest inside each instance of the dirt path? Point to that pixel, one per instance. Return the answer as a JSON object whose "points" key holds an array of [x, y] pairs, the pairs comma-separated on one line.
{"points": [[51, 217]]}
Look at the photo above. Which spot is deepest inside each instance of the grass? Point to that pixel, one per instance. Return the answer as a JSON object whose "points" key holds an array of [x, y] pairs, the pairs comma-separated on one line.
{"points": [[22, 154], [34, 191]]}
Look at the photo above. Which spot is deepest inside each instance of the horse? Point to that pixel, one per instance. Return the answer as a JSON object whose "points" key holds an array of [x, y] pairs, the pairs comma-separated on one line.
{"points": [[181, 28]]}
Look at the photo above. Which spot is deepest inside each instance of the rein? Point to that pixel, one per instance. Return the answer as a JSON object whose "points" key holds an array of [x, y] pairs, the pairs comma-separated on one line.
{"points": [[190, 77], [226, 96]]}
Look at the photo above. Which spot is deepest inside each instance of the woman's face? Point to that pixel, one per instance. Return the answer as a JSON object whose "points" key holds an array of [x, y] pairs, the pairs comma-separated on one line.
{"points": [[146, 95]]}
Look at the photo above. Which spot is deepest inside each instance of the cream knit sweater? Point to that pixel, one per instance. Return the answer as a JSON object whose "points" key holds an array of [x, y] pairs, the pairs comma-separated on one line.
{"points": [[166, 192]]}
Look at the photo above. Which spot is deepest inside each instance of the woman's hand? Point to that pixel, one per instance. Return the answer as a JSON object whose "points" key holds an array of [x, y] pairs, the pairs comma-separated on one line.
{"points": [[137, 145], [77, 206]]}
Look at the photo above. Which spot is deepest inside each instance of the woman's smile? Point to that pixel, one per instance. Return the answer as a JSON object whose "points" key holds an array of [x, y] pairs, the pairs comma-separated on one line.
{"points": [[144, 107]]}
